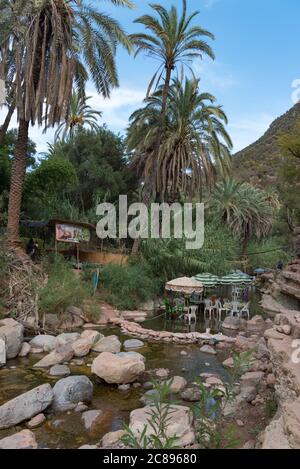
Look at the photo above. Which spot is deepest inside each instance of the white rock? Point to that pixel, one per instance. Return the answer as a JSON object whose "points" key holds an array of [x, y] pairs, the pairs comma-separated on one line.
{"points": [[111, 439], [109, 344], [45, 342], [132, 354], [12, 334], [208, 349], [133, 344], [178, 383], [67, 338], [117, 370], [81, 347], [91, 419], [92, 336], [25, 406], [25, 350], [22, 440], [36, 421], [179, 425], [59, 370], [60, 355], [2, 352]]}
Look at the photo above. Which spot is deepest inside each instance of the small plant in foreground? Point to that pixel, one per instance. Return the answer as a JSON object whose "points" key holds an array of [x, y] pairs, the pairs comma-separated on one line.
{"points": [[208, 412], [154, 434]]}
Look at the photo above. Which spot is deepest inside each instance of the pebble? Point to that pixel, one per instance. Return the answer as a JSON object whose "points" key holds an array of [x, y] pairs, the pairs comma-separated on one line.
{"points": [[36, 421]]}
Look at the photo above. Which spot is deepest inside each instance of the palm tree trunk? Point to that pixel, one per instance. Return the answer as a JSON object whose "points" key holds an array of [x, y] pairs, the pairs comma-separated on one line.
{"points": [[150, 189], [16, 185], [244, 247], [5, 125]]}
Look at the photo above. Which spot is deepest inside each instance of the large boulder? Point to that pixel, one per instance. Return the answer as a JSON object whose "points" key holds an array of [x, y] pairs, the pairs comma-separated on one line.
{"points": [[118, 370], [22, 440], [72, 318], [109, 344], [69, 391], [47, 342], [25, 406], [12, 334], [60, 355], [180, 424], [2, 352]]}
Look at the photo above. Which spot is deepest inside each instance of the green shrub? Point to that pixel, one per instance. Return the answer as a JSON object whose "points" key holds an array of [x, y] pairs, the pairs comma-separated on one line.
{"points": [[64, 287], [127, 287]]}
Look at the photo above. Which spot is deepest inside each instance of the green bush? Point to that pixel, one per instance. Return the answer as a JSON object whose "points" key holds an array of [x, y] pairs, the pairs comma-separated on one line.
{"points": [[267, 252], [64, 287], [128, 286]]}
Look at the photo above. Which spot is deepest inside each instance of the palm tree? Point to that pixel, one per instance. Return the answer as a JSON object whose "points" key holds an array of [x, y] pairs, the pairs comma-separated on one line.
{"points": [[171, 39], [80, 115], [195, 144], [248, 211], [55, 43]]}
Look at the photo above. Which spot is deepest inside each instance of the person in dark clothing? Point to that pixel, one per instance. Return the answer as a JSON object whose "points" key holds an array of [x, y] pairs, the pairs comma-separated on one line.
{"points": [[279, 265]]}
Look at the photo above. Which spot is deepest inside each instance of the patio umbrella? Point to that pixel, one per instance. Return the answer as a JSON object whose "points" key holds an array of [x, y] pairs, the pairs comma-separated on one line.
{"points": [[185, 285], [236, 278], [208, 280]]}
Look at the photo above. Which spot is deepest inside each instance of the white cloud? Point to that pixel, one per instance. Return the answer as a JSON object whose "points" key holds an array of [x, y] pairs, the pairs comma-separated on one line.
{"points": [[210, 3], [116, 112], [214, 74]]}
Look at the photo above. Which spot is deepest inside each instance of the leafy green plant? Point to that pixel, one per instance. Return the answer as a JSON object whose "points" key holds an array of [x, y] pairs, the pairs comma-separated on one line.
{"points": [[126, 287], [154, 435], [64, 287], [208, 412]]}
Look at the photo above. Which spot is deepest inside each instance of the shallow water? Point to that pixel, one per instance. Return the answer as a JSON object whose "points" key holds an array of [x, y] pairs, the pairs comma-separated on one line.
{"points": [[67, 431]]}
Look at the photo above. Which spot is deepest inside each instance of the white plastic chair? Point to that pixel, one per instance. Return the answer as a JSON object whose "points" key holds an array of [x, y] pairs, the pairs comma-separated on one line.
{"points": [[191, 314], [235, 308], [209, 308], [221, 309], [245, 310]]}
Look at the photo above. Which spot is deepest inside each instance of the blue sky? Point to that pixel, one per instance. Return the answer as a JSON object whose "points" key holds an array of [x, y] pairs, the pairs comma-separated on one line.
{"points": [[257, 50]]}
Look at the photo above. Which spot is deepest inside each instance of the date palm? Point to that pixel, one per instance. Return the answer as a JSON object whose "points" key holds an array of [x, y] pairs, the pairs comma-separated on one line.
{"points": [[80, 115], [55, 43], [248, 211], [172, 40], [195, 144]]}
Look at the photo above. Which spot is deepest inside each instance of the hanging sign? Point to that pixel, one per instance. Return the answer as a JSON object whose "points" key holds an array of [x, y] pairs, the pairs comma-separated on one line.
{"points": [[72, 233]]}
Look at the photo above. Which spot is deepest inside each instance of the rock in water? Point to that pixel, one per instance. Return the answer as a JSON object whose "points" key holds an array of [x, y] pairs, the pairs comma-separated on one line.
{"points": [[37, 421], [25, 350], [12, 334], [60, 370], [133, 344], [25, 406], [178, 383], [131, 354], [60, 355], [46, 342], [91, 419], [69, 391], [118, 370], [2, 353], [22, 440], [109, 344], [208, 349], [180, 421]]}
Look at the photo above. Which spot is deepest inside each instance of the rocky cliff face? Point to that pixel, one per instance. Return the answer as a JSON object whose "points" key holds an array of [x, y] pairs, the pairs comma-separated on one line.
{"points": [[260, 162]]}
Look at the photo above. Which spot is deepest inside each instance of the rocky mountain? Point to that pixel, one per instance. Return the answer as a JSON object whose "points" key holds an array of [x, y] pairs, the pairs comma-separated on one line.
{"points": [[260, 162]]}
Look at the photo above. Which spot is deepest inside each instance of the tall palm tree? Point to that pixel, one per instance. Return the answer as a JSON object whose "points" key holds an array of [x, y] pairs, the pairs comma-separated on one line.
{"points": [[171, 39], [248, 211], [80, 115], [195, 144], [55, 43]]}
